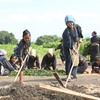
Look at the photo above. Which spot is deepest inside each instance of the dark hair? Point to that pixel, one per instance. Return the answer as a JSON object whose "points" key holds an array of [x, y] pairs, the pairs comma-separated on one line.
{"points": [[25, 32], [94, 32], [97, 58], [12, 56]]}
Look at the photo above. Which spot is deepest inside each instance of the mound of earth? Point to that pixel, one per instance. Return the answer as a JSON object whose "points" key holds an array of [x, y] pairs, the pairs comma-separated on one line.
{"points": [[85, 83], [20, 92], [26, 92]]}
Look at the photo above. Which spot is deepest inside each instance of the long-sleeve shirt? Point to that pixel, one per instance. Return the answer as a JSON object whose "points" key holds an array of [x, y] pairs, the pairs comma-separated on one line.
{"points": [[49, 61], [32, 60], [60, 46], [69, 37], [21, 49], [6, 64], [95, 39]]}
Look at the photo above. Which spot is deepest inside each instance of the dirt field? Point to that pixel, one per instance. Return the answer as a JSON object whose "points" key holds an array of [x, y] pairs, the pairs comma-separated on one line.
{"points": [[85, 83]]}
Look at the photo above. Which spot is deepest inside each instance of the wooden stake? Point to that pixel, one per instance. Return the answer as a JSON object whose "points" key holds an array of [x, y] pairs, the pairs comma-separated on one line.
{"points": [[67, 91], [58, 79], [69, 75], [5, 97], [20, 68]]}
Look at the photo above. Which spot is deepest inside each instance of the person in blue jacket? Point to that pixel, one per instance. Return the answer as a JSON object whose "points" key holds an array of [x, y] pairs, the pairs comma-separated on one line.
{"points": [[71, 45]]}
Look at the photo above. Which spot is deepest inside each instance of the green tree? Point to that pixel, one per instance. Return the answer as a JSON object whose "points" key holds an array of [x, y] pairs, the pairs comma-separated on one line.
{"points": [[7, 38], [46, 39], [85, 47]]}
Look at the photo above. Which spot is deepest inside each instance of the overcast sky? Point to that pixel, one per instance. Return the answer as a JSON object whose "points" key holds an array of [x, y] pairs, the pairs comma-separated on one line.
{"points": [[46, 17]]}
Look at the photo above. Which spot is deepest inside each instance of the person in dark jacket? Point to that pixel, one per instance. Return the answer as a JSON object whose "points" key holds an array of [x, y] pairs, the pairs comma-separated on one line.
{"points": [[95, 46], [49, 60], [96, 65], [71, 45], [60, 46], [5, 66], [95, 38], [33, 61], [83, 65], [22, 50]]}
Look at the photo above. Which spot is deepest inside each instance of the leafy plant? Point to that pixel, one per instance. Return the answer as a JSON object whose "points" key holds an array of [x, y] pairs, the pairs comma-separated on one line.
{"points": [[35, 72]]}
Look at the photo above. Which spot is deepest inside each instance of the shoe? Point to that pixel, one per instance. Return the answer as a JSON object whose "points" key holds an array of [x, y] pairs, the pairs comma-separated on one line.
{"points": [[92, 71], [65, 79], [74, 77]]}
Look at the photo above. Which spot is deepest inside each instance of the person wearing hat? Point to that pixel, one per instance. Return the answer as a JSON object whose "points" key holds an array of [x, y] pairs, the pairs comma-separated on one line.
{"points": [[49, 60], [33, 61], [60, 46], [71, 45], [95, 46], [5, 66]]}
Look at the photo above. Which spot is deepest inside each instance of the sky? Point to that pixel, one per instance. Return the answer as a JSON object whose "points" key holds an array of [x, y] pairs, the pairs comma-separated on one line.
{"points": [[46, 17]]}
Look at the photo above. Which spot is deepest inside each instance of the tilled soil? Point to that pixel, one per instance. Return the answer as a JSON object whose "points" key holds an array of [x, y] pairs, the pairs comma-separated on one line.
{"points": [[20, 92], [85, 83], [88, 84]]}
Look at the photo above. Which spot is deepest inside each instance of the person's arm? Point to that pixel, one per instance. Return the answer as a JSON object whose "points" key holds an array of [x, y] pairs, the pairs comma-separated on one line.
{"points": [[43, 62], [67, 39], [37, 62], [58, 47], [20, 53], [7, 65], [54, 62]]}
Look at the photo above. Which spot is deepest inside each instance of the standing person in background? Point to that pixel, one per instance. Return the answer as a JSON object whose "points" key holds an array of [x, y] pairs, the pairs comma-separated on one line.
{"points": [[71, 45], [49, 60], [95, 46], [60, 46], [22, 50], [33, 61]]}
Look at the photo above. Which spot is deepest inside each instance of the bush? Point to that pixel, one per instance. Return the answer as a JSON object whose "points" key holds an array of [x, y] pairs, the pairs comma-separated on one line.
{"points": [[50, 44]]}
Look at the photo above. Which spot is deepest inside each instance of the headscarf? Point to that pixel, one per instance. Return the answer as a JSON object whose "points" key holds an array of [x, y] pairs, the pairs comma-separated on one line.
{"points": [[2, 52], [50, 51], [69, 18], [33, 52]]}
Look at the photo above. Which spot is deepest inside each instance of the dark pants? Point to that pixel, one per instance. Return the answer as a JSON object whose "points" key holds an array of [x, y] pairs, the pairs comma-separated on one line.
{"points": [[94, 52], [68, 60]]}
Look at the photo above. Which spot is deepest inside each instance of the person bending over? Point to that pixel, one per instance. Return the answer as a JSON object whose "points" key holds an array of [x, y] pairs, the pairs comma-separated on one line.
{"points": [[49, 60]]}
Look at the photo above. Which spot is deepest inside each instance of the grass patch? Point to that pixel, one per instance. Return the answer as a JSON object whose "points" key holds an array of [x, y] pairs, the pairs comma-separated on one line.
{"points": [[36, 72]]}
